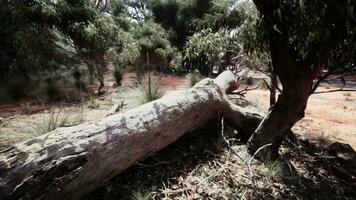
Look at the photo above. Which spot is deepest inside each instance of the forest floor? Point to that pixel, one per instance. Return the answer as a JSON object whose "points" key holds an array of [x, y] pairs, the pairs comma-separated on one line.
{"points": [[205, 165]]}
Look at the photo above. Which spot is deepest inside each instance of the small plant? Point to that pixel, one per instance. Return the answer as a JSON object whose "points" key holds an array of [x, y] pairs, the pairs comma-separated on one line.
{"points": [[324, 140], [28, 109], [93, 103], [193, 78], [79, 118], [272, 171], [150, 88], [141, 195], [51, 121]]}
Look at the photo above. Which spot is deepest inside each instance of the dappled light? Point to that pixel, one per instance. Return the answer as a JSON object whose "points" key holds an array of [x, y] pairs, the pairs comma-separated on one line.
{"points": [[177, 99]]}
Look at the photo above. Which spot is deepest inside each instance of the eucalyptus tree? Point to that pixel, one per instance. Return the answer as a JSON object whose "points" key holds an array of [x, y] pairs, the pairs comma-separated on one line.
{"points": [[308, 41], [207, 46]]}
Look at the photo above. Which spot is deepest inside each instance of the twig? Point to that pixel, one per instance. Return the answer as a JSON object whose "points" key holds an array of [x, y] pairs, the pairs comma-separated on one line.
{"points": [[247, 89], [248, 165], [337, 90]]}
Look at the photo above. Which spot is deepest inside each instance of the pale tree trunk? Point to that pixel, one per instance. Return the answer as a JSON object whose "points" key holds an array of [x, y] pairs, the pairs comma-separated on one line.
{"points": [[70, 162]]}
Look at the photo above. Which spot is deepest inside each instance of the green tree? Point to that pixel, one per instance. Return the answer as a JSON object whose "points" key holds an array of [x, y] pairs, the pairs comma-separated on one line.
{"points": [[207, 44], [183, 18], [155, 47], [308, 41]]}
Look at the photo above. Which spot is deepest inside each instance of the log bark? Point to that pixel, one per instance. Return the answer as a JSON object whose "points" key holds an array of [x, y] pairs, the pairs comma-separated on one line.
{"points": [[70, 162]]}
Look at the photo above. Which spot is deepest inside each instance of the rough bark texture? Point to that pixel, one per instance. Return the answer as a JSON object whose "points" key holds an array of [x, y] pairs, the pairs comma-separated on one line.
{"points": [[70, 162], [296, 77], [297, 80]]}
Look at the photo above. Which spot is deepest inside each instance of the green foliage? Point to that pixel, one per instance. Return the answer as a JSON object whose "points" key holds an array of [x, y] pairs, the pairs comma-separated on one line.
{"points": [[272, 171], [28, 109], [141, 195], [155, 47], [129, 52], [184, 18], [319, 33], [150, 88], [207, 44]]}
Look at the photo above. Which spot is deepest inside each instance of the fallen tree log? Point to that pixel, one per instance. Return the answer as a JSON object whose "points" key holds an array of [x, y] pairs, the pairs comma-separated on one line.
{"points": [[70, 162]]}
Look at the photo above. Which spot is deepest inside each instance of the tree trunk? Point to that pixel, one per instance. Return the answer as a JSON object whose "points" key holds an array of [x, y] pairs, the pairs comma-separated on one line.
{"points": [[297, 80], [70, 162]]}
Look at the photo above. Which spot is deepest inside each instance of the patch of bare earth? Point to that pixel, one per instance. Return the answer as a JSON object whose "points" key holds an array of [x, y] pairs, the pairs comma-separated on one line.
{"points": [[330, 115]]}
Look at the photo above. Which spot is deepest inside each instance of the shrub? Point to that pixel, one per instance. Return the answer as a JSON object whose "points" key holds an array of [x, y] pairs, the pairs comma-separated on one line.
{"points": [[272, 171], [51, 121], [193, 78], [79, 84], [150, 88], [18, 88], [118, 75], [141, 195], [28, 109], [323, 139]]}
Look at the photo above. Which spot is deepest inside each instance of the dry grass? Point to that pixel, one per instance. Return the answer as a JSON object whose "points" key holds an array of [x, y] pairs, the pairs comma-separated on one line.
{"points": [[150, 88], [196, 167], [54, 119], [324, 140], [193, 78], [141, 194]]}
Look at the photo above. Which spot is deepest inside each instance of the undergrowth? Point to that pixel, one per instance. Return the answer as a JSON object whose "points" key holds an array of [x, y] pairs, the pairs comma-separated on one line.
{"points": [[52, 120], [200, 166], [150, 88], [193, 78]]}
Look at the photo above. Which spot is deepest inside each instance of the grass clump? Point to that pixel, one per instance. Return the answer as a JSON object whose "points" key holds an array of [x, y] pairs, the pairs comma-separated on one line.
{"points": [[193, 78], [272, 171], [52, 120], [141, 195], [28, 109], [150, 88], [324, 140]]}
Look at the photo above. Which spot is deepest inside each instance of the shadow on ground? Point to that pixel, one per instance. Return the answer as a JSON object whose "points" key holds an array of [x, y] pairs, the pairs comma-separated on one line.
{"points": [[309, 172]]}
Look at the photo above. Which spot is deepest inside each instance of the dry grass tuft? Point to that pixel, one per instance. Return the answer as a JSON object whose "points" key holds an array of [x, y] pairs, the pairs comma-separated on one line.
{"points": [[150, 88], [193, 78]]}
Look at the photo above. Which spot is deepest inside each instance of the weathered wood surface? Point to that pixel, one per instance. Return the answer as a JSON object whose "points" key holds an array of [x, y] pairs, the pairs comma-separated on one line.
{"points": [[70, 162]]}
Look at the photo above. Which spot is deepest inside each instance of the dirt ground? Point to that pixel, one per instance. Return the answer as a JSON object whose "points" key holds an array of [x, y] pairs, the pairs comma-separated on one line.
{"points": [[331, 116]]}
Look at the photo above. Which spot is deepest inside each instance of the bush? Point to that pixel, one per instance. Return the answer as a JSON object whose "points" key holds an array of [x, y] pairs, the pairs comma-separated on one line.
{"points": [[79, 84], [18, 88], [118, 75], [58, 86], [150, 88], [193, 78]]}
